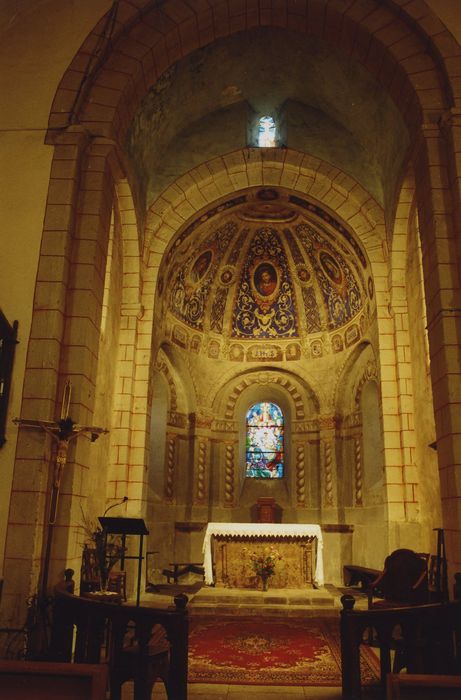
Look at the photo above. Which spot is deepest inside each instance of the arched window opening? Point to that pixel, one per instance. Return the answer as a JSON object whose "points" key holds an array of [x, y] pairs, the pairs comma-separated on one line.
{"points": [[265, 454], [266, 132]]}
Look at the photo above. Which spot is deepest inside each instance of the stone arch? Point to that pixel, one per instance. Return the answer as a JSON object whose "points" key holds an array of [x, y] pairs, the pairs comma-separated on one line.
{"points": [[162, 367], [185, 389], [131, 240], [212, 180], [351, 376], [369, 374], [67, 312], [294, 388], [105, 92]]}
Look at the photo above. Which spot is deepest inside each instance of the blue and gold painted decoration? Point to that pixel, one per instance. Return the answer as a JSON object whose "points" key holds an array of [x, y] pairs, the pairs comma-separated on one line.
{"points": [[237, 249], [311, 309], [338, 286], [294, 248], [265, 303], [265, 441], [204, 218], [192, 282], [332, 222], [218, 309]]}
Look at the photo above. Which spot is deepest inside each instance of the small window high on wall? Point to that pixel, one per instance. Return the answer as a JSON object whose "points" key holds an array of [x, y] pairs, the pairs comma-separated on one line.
{"points": [[266, 132], [265, 454]]}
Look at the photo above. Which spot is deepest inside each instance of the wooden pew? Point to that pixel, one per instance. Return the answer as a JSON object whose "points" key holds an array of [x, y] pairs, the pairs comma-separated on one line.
{"points": [[130, 639], [41, 680], [395, 681]]}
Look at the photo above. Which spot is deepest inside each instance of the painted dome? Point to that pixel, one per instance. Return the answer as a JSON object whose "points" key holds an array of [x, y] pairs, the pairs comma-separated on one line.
{"points": [[265, 266]]}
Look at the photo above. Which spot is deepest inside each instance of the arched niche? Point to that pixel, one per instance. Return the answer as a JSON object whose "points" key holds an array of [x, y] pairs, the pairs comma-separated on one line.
{"points": [[252, 489], [160, 406], [372, 441]]}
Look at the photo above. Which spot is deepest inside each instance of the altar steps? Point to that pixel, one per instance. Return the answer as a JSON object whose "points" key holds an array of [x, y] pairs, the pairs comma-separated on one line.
{"points": [[292, 602], [308, 602]]}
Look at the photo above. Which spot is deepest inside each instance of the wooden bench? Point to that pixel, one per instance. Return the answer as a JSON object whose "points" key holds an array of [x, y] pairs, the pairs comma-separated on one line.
{"points": [[395, 681], [181, 569], [43, 680]]}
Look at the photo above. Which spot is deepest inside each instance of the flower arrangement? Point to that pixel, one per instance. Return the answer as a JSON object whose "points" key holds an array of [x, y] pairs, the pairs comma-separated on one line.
{"points": [[264, 563]]}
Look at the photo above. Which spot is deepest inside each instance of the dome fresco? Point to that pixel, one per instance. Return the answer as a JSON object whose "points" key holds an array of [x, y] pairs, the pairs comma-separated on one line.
{"points": [[266, 266]]}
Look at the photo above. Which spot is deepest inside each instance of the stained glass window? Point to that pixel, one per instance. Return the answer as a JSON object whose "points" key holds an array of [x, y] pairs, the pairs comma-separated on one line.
{"points": [[264, 441], [266, 132]]}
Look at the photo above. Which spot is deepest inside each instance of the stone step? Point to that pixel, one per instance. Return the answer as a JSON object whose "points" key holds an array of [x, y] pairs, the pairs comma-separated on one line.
{"points": [[276, 601]]}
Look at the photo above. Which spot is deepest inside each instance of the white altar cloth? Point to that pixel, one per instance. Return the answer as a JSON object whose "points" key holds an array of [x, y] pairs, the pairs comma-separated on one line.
{"points": [[262, 530]]}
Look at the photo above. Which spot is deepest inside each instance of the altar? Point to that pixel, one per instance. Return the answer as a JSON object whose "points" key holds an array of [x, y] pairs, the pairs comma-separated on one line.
{"points": [[228, 549]]}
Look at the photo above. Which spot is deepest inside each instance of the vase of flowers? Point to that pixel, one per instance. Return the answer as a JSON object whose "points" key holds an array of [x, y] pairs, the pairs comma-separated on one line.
{"points": [[264, 564]]}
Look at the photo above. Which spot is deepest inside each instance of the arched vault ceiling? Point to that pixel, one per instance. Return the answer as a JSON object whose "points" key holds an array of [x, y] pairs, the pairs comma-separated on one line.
{"points": [[326, 104], [264, 274]]}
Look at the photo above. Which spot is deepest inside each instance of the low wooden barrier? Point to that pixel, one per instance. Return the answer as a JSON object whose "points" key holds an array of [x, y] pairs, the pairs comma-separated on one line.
{"points": [[128, 638], [41, 680], [424, 638], [395, 681]]}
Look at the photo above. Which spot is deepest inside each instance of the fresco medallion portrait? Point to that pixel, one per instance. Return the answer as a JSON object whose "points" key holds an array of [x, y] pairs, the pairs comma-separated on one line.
{"points": [[330, 267], [266, 280], [201, 266]]}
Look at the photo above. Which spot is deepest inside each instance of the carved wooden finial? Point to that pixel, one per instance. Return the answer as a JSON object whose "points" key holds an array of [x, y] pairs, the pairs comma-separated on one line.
{"points": [[347, 601]]}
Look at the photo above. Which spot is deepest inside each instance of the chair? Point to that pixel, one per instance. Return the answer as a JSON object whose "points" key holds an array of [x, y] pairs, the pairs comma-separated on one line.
{"points": [[430, 642], [403, 581], [90, 577]]}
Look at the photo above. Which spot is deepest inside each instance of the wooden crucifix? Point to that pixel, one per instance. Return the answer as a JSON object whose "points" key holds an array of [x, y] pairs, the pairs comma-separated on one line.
{"points": [[62, 432]]}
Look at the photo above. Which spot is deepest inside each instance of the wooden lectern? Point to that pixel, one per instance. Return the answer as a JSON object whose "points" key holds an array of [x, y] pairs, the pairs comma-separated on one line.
{"points": [[124, 527]]}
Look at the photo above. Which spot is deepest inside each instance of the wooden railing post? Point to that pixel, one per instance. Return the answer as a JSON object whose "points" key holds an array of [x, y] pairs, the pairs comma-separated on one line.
{"points": [[350, 652]]}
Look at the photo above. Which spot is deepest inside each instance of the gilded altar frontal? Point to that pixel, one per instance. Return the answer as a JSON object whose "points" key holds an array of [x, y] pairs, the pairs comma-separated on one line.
{"points": [[230, 288]]}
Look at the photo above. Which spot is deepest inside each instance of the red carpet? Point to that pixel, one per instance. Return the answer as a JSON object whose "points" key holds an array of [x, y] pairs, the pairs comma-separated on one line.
{"points": [[262, 651]]}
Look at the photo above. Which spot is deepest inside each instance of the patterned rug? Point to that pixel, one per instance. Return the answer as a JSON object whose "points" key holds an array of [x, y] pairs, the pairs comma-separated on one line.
{"points": [[264, 651]]}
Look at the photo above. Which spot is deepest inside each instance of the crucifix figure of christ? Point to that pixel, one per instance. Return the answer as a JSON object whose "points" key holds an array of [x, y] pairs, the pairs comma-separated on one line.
{"points": [[62, 432]]}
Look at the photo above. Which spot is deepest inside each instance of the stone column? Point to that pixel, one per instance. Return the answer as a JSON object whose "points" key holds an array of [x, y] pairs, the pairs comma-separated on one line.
{"points": [[358, 477], [300, 466], [200, 423], [170, 466], [328, 473], [438, 176], [48, 358], [229, 474]]}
